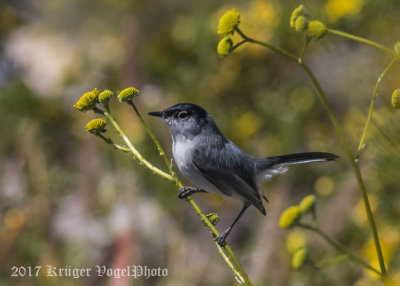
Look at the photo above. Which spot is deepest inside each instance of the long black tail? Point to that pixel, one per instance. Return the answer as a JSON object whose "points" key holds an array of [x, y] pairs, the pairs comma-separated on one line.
{"points": [[300, 158], [281, 162]]}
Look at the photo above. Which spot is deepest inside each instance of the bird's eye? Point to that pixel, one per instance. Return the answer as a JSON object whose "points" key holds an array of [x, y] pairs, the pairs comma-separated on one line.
{"points": [[183, 114]]}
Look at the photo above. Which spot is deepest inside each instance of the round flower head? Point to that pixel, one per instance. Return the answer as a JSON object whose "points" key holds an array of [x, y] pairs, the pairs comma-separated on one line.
{"points": [[127, 94], [105, 96], [301, 24], [289, 217], [213, 218], [307, 204], [228, 22], [299, 258], [299, 11], [317, 29], [96, 126], [224, 47], [397, 48], [88, 100], [396, 99]]}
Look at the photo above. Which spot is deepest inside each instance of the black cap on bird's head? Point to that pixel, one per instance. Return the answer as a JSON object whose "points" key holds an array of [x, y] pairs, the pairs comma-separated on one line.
{"points": [[180, 111], [185, 118]]}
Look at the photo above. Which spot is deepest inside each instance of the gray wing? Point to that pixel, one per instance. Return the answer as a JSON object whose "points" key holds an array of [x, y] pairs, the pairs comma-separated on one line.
{"points": [[229, 169]]}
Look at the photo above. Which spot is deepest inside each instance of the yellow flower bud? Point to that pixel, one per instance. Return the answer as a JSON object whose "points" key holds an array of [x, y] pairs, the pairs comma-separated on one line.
{"points": [[317, 29], [397, 48], [127, 94], [105, 96], [299, 11], [307, 204], [289, 217], [213, 218], [96, 126], [299, 258], [396, 99], [301, 24], [88, 100], [228, 22], [224, 47]]}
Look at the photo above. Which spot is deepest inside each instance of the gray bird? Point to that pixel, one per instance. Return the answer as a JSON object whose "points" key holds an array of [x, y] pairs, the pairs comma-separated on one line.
{"points": [[215, 164]]}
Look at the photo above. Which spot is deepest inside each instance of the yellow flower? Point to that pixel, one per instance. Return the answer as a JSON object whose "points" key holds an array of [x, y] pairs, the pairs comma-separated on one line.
{"points": [[88, 100], [228, 22], [299, 11], [289, 217], [317, 29], [301, 24], [299, 258], [96, 126], [307, 204], [224, 47], [396, 99], [127, 94], [105, 96]]}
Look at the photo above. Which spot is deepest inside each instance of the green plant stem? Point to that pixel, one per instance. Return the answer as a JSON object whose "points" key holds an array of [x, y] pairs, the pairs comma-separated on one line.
{"points": [[134, 152], [342, 139], [229, 257], [339, 247], [109, 141], [364, 41], [160, 149], [303, 50], [372, 105], [276, 49], [331, 261]]}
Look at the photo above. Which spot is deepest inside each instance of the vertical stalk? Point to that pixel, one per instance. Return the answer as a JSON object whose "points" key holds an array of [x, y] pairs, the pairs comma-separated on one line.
{"points": [[372, 105]]}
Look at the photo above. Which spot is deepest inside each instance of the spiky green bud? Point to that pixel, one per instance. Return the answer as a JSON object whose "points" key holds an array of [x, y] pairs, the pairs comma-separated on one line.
{"points": [[87, 101], [96, 126], [396, 99], [301, 24], [105, 96], [127, 94], [299, 258], [317, 29], [224, 47], [213, 218], [299, 11], [228, 22], [289, 217], [307, 204]]}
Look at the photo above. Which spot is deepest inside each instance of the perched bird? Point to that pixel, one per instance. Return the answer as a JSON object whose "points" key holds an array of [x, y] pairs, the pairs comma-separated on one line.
{"points": [[215, 164]]}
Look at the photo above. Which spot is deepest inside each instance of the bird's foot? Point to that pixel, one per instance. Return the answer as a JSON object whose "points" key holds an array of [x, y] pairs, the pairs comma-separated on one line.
{"points": [[220, 239], [184, 192]]}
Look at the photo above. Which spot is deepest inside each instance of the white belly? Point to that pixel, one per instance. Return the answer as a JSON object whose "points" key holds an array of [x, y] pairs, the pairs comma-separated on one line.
{"points": [[182, 152]]}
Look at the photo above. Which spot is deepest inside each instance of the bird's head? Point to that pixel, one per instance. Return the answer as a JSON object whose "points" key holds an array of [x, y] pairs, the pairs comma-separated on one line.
{"points": [[185, 118]]}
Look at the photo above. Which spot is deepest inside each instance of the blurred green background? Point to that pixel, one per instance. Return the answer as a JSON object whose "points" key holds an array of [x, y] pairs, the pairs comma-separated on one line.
{"points": [[68, 199]]}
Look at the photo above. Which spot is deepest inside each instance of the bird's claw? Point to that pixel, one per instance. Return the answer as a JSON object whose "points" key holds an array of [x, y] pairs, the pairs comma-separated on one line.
{"points": [[220, 239], [184, 192]]}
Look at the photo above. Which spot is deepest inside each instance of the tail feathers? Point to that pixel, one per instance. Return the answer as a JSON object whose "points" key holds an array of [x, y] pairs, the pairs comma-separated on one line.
{"points": [[301, 158], [274, 165]]}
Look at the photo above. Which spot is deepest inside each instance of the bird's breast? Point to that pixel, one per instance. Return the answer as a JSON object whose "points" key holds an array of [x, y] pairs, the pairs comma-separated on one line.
{"points": [[183, 155]]}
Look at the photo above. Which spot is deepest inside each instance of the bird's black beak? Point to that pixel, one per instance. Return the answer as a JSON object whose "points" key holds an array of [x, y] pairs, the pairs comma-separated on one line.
{"points": [[156, 113]]}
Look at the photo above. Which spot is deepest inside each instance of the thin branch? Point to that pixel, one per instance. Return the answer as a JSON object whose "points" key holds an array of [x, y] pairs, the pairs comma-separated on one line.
{"points": [[364, 41], [372, 105], [339, 247]]}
